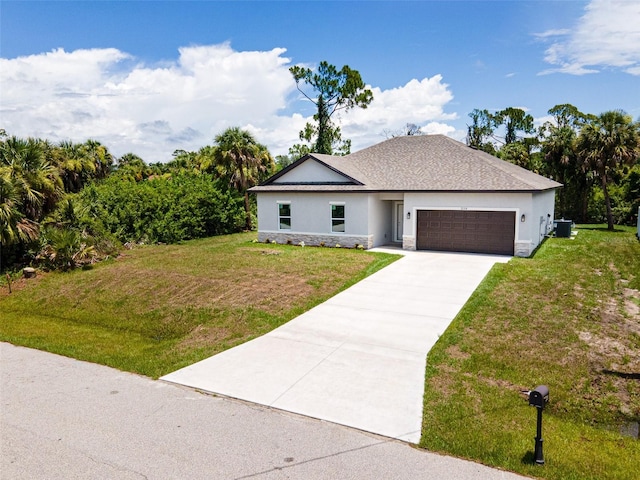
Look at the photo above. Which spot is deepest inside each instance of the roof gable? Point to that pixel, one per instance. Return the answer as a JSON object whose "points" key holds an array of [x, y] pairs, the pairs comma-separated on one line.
{"points": [[311, 170]]}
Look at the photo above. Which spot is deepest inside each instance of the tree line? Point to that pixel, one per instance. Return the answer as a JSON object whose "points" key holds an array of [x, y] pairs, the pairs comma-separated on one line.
{"points": [[595, 157], [70, 204]]}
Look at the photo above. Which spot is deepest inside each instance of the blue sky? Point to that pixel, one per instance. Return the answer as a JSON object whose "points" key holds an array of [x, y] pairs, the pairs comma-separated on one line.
{"points": [[151, 77]]}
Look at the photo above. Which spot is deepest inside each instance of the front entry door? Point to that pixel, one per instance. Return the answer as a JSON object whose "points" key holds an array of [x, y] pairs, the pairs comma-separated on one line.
{"points": [[399, 222]]}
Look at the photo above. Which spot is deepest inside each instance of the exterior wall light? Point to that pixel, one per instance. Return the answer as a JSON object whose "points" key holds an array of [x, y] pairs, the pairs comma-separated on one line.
{"points": [[408, 215], [522, 218]]}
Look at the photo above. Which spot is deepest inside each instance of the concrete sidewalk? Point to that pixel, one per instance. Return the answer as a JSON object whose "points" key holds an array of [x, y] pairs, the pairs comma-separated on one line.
{"points": [[359, 358], [65, 419]]}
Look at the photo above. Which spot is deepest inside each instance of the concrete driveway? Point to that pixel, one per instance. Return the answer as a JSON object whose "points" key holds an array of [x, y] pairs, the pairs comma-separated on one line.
{"points": [[359, 358]]}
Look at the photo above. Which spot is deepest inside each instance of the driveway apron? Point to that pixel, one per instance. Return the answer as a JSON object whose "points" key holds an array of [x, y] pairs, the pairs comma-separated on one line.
{"points": [[359, 358]]}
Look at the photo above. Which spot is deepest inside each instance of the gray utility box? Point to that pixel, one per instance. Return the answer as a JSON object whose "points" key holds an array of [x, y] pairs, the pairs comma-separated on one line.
{"points": [[563, 228]]}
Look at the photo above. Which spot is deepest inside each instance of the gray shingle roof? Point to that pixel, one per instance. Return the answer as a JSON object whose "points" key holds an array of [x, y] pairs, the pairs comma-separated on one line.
{"points": [[422, 163]]}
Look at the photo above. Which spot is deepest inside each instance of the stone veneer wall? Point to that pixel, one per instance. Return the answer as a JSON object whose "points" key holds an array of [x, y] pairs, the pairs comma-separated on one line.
{"points": [[348, 241], [408, 242], [522, 249]]}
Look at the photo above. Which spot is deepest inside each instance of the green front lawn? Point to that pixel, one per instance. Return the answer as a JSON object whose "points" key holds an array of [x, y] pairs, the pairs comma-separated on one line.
{"points": [[159, 308], [568, 318]]}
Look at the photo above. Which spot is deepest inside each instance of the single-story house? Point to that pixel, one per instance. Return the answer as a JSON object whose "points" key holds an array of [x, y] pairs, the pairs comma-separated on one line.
{"points": [[421, 192]]}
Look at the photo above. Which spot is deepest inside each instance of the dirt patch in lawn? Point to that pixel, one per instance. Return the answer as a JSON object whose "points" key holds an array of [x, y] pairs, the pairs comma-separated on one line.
{"points": [[203, 335], [455, 352], [20, 283], [614, 355], [632, 303]]}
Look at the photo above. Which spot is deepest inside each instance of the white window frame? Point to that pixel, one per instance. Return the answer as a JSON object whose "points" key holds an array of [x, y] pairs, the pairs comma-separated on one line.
{"points": [[343, 218], [280, 217]]}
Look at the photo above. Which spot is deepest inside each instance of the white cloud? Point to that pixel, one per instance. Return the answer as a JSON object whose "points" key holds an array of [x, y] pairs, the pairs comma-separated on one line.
{"points": [[539, 121], [553, 33], [417, 102], [149, 110], [152, 110], [433, 128], [606, 36]]}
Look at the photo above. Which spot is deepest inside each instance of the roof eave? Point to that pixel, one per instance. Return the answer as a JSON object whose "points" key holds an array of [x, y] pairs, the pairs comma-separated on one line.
{"points": [[363, 189]]}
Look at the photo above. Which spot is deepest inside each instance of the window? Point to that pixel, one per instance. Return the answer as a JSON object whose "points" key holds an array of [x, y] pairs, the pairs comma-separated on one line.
{"points": [[337, 218], [284, 216]]}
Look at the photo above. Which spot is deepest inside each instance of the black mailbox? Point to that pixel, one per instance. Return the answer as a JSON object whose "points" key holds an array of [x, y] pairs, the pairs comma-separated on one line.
{"points": [[539, 396]]}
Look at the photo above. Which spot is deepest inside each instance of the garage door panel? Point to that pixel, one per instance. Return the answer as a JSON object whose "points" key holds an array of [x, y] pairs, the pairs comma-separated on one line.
{"points": [[466, 231]]}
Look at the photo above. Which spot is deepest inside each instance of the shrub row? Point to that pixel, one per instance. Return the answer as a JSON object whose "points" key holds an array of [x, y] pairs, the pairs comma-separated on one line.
{"points": [[165, 210]]}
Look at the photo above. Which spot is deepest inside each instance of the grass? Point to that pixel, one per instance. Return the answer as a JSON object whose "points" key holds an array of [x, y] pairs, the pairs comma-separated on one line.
{"points": [[569, 318], [159, 308]]}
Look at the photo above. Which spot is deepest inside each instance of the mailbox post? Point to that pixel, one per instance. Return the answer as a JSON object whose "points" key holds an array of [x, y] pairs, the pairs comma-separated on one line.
{"points": [[538, 397]]}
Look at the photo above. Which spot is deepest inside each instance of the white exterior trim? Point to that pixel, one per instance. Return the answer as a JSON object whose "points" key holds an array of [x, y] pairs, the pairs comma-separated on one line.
{"points": [[398, 223], [284, 202]]}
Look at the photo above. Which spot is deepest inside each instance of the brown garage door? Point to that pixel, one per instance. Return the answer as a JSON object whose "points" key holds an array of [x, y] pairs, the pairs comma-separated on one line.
{"points": [[466, 231]]}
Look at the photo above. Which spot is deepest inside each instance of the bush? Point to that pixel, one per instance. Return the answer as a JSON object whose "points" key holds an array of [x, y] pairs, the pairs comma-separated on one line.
{"points": [[65, 248], [624, 193], [165, 210]]}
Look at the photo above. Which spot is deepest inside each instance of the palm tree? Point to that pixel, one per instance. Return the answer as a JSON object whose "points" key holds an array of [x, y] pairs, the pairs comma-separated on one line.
{"points": [[605, 144], [133, 167], [558, 140], [204, 160], [29, 187], [100, 157], [37, 181], [183, 161], [244, 161], [14, 227], [74, 165], [559, 150], [66, 248]]}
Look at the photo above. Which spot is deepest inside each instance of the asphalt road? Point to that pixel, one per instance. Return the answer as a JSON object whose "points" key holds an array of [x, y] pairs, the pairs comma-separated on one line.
{"points": [[65, 419]]}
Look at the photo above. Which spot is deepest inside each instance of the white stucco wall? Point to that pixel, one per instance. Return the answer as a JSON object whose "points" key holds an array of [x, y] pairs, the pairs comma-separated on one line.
{"points": [[380, 220], [310, 171], [543, 214], [369, 217], [311, 216]]}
